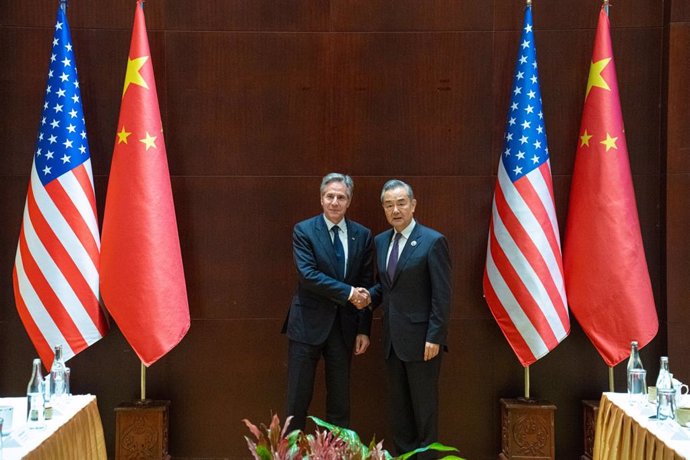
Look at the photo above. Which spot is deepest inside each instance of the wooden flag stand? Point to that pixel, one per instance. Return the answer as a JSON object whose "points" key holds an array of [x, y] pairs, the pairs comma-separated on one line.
{"points": [[141, 427], [590, 410], [527, 428]]}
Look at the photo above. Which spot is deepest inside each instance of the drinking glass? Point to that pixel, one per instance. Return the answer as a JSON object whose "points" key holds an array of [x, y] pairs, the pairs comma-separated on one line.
{"points": [[666, 403], [637, 386]]}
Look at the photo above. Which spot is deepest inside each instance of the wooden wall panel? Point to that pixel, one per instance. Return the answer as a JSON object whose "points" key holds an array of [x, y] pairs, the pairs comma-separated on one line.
{"points": [[648, 196], [13, 192], [641, 109], [104, 14], [678, 97], [401, 105], [575, 14], [677, 252], [101, 86], [248, 104], [21, 95], [248, 15], [680, 11], [678, 187], [243, 376], [259, 99], [224, 273], [410, 15]]}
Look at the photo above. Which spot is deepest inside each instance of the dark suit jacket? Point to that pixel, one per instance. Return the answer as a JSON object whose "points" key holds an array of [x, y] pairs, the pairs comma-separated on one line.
{"points": [[417, 300], [320, 296]]}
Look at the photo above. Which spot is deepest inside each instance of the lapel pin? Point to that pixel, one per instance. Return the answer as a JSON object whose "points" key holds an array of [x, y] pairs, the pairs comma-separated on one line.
{"points": [[413, 243]]}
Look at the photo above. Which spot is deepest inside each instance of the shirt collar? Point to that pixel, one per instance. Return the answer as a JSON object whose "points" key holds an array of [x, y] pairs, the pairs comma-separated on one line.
{"points": [[407, 231], [342, 225]]}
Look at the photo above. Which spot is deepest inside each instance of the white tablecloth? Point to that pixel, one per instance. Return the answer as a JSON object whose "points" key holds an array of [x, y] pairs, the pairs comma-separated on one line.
{"points": [[626, 431], [75, 431]]}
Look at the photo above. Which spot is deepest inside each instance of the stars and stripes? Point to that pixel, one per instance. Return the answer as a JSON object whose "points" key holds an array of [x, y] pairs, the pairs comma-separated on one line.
{"points": [[55, 274], [523, 279]]}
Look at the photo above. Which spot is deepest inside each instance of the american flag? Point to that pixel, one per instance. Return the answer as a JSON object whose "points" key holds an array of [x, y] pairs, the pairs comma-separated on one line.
{"points": [[523, 279], [55, 274]]}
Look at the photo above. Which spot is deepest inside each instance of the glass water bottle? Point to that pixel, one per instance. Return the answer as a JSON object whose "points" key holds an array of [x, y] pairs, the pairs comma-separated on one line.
{"points": [[665, 393], [637, 376], [34, 395], [57, 375]]}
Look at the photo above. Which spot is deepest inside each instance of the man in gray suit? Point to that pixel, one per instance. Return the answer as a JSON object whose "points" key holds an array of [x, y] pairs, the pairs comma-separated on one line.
{"points": [[414, 289], [334, 260]]}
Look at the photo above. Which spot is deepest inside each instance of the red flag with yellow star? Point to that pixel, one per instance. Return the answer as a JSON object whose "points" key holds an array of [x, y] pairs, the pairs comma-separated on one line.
{"points": [[606, 276], [142, 277]]}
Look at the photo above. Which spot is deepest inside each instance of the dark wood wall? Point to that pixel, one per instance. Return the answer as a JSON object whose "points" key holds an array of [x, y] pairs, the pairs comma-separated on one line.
{"points": [[260, 98], [677, 193]]}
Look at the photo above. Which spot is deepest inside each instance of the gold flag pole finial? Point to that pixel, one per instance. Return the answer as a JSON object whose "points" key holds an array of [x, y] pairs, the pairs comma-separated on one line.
{"points": [[529, 2]]}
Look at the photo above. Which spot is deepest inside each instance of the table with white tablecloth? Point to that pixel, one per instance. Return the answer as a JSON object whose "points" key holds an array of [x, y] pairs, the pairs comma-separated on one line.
{"points": [[74, 432], [628, 431]]}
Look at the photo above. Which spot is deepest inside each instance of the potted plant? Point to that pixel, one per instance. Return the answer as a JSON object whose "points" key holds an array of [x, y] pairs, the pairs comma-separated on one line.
{"points": [[330, 443]]}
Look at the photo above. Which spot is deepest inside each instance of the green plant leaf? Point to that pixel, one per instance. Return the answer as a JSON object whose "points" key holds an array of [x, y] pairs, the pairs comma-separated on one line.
{"points": [[437, 446], [349, 436], [292, 437], [264, 453]]}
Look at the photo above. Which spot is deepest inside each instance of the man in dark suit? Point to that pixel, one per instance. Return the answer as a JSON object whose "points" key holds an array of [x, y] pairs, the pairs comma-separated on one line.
{"points": [[334, 260], [414, 289]]}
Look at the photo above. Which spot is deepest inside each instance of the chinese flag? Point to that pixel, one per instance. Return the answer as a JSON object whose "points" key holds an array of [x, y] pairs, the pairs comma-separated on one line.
{"points": [[606, 277], [142, 278]]}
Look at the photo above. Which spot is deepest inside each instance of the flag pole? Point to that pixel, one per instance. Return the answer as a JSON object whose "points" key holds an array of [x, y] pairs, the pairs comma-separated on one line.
{"points": [[143, 381], [526, 382], [611, 386], [63, 5], [606, 7]]}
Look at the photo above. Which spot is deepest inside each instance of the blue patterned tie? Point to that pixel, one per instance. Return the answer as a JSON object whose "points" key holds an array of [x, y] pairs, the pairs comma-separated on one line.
{"points": [[339, 253], [393, 257]]}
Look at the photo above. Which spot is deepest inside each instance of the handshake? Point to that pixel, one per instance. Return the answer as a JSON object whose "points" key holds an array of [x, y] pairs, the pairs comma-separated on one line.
{"points": [[360, 298]]}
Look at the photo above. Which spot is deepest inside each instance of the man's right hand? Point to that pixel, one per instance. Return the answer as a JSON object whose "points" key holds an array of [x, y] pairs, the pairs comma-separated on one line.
{"points": [[360, 298]]}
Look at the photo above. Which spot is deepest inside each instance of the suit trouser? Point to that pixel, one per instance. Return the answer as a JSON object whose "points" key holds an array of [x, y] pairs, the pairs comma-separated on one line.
{"points": [[413, 400], [302, 362]]}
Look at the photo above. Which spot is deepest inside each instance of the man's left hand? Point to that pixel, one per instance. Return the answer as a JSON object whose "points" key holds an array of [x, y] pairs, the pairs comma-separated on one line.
{"points": [[361, 343], [430, 350]]}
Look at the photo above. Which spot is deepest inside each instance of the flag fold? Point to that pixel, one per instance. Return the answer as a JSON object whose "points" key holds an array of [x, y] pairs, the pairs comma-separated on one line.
{"points": [[607, 281], [523, 276], [142, 276], [55, 275]]}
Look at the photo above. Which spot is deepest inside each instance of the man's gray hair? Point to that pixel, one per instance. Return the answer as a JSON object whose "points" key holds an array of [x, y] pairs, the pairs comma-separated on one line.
{"points": [[396, 183], [337, 177]]}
